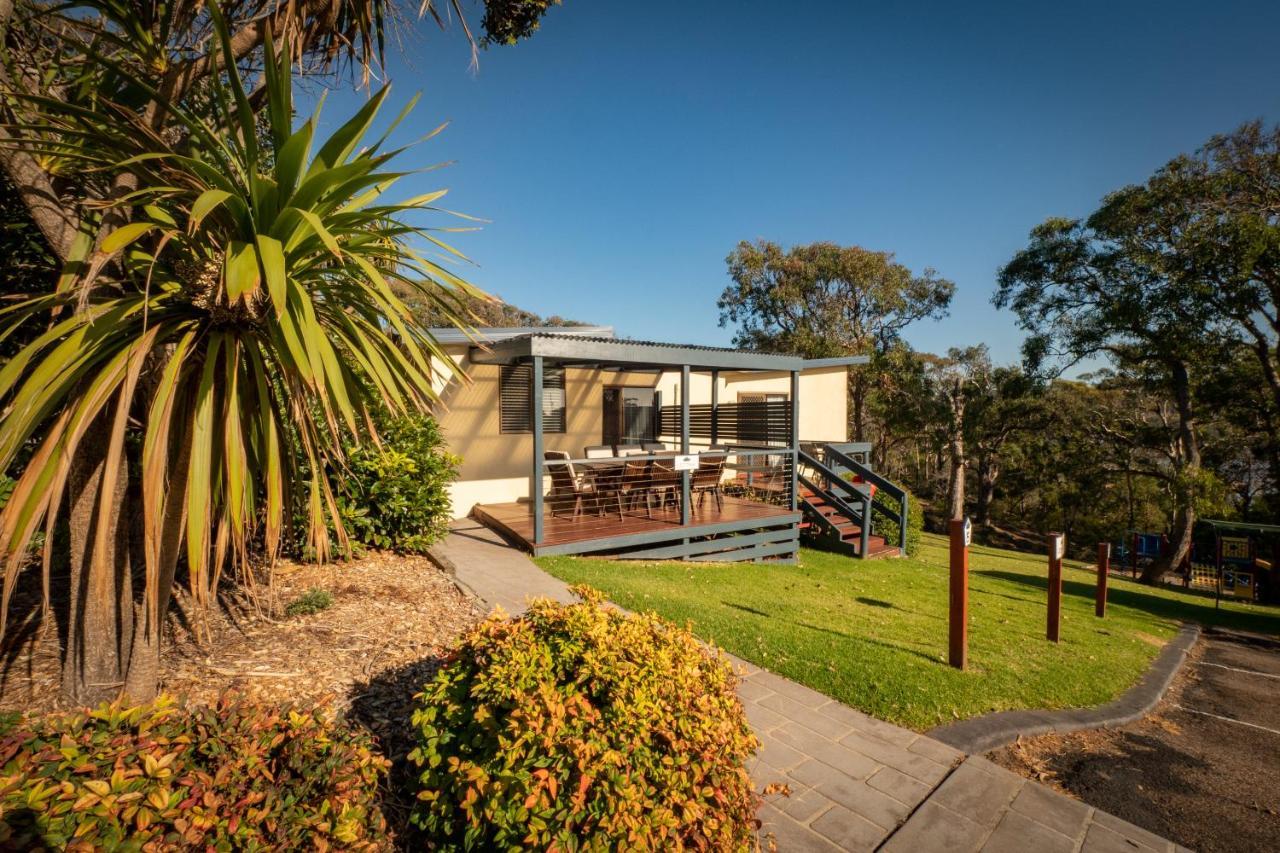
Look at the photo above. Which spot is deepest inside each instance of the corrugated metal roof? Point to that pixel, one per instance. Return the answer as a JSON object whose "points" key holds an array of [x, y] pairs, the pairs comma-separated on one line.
{"points": [[568, 349], [611, 339], [491, 334]]}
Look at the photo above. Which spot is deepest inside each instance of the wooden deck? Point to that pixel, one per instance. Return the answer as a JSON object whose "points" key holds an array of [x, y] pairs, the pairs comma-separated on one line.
{"points": [[770, 531]]}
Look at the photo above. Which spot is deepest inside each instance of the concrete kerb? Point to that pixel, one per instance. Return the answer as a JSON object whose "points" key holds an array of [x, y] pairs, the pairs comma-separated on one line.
{"points": [[983, 734]]}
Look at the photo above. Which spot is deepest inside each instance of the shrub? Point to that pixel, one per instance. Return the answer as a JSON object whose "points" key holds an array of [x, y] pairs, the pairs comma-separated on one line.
{"points": [[312, 601], [887, 525], [235, 776], [578, 726], [397, 496]]}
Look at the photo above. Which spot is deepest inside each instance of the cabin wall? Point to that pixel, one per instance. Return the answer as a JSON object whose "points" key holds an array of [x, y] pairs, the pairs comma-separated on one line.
{"points": [[496, 466]]}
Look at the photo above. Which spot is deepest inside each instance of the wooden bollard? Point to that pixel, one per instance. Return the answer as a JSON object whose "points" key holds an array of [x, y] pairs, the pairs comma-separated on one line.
{"points": [[958, 640], [1104, 565], [1057, 549]]}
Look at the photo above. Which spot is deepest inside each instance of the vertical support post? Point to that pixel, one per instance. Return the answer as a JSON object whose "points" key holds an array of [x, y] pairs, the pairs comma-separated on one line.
{"points": [[535, 487], [864, 543], [795, 443], [958, 639], [1104, 566], [1217, 562], [1057, 547], [684, 443], [902, 523], [715, 407], [1133, 554]]}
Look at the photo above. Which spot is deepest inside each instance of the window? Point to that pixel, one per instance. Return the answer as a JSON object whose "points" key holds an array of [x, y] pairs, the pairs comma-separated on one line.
{"points": [[630, 415], [515, 403]]}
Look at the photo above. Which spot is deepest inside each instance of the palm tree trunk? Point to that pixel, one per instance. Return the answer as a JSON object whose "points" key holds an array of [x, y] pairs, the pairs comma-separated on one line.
{"points": [[100, 623]]}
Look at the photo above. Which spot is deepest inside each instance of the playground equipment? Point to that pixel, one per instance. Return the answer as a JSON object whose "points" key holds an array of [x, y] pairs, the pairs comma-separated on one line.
{"points": [[1236, 559], [1138, 549]]}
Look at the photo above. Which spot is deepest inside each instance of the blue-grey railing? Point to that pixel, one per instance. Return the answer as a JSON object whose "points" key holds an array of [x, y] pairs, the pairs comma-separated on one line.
{"points": [[855, 505], [842, 462]]}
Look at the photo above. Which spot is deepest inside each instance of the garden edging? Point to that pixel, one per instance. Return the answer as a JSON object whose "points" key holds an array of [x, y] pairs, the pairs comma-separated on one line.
{"points": [[991, 731]]}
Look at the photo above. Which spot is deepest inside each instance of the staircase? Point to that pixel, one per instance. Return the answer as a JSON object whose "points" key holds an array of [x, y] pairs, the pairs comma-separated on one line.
{"points": [[839, 512]]}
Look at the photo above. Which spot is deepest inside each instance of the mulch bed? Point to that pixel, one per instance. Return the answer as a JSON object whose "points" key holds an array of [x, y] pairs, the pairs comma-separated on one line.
{"points": [[1205, 783], [390, 613]]}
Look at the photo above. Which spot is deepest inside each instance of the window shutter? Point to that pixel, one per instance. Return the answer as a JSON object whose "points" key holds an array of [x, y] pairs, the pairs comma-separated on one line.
{"points": [[515, 404]]}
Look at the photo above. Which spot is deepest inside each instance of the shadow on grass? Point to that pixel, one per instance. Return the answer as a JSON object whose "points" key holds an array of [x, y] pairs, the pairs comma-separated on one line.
{"points": [[745, 609], [1177, 609], [854, 638], [874, 602]]}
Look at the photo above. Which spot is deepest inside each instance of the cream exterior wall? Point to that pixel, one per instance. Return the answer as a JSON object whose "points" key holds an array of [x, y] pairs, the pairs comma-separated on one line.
{"points": [[496, 466]]}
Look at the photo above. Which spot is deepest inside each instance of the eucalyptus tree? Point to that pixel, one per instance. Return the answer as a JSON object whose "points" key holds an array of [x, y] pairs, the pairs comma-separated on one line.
{"points": [[1110, 286], [822, 300]]}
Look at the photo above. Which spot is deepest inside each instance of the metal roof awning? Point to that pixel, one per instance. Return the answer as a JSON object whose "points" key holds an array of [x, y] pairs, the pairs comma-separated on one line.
{"points": [[1252, 527], [587, 350]]}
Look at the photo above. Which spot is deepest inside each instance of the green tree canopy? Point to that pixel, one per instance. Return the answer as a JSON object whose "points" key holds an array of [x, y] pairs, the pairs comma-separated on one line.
{"points": [[822, 299]]}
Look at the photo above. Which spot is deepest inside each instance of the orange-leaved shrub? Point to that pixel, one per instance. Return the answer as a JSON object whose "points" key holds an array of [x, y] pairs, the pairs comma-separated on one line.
{"points": [[160, 777], [580, 727]]}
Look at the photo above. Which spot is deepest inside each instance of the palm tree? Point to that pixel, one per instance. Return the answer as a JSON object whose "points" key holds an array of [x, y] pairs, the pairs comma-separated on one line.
{"points": [[252, 317]]}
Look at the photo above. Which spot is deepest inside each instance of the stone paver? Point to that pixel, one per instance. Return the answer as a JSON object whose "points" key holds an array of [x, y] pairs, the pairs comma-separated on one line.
{"points": [[494, 572], [854, 782], [983, 807]]}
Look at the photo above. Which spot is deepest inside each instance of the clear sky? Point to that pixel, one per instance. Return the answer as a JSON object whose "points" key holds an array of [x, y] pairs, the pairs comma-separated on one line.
{"points": [[623, 151]]}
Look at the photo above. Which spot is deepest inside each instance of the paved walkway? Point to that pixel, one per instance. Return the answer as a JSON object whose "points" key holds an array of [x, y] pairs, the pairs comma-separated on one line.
{"points": [[854, 782]]}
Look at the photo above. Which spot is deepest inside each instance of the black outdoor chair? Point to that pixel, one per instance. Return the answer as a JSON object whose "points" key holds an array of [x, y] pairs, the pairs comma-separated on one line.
{"points": [[707, 479]]}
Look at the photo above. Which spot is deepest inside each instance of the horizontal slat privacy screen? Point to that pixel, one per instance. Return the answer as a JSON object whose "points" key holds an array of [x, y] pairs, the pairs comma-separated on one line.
{"points": [[740, 423], [516, 401]]}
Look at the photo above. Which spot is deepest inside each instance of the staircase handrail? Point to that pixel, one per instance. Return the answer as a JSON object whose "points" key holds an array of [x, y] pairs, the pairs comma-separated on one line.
{"points": [[889, 487]]}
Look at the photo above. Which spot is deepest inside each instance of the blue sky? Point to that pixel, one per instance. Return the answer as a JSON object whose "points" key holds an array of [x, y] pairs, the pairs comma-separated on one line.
{"points": [[623, 151]]}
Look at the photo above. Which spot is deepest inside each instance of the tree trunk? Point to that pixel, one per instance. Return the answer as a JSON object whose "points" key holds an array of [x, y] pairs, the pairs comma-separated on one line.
{"points": [[858, 400], [988, 473], [956, 489], [100, 623], [1184, 514]]}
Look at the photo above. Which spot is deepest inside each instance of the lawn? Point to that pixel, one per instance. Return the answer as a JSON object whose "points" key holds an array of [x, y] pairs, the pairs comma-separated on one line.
{"points": [[874, 634]]}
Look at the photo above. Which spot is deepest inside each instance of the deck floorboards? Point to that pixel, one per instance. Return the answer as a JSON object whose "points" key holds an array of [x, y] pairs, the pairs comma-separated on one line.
{"points": [[516, 521]]}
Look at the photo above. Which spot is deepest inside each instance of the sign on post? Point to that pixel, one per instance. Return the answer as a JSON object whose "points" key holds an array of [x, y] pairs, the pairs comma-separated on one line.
{"points": [[1057, 550], [1104, 566], [686, 462], [958, 638]]}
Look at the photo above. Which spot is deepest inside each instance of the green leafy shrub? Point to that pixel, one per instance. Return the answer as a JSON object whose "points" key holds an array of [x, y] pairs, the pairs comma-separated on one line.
{"points": [[235, 776], [312, 601], [396, 496], [577, 726], [887, 525]]}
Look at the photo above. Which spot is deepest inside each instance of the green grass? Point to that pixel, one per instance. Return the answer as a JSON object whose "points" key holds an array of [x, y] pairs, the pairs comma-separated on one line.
{"points": [[874, 634]]}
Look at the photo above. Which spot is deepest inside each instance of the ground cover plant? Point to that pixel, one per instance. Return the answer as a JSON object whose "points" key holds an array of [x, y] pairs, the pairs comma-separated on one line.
{"points": [[237, 775], [874, 634], [580, 727]]}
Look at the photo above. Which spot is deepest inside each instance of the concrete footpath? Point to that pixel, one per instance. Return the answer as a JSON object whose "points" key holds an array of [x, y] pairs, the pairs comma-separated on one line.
{"points": [[843, 780]]}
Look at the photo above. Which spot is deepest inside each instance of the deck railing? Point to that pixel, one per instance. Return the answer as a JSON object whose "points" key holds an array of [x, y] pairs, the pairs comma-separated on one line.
{"points": [[607, 493]]}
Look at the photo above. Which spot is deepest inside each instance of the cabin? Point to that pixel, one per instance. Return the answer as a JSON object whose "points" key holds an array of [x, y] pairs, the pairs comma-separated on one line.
{"points": [[575, 441]]}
